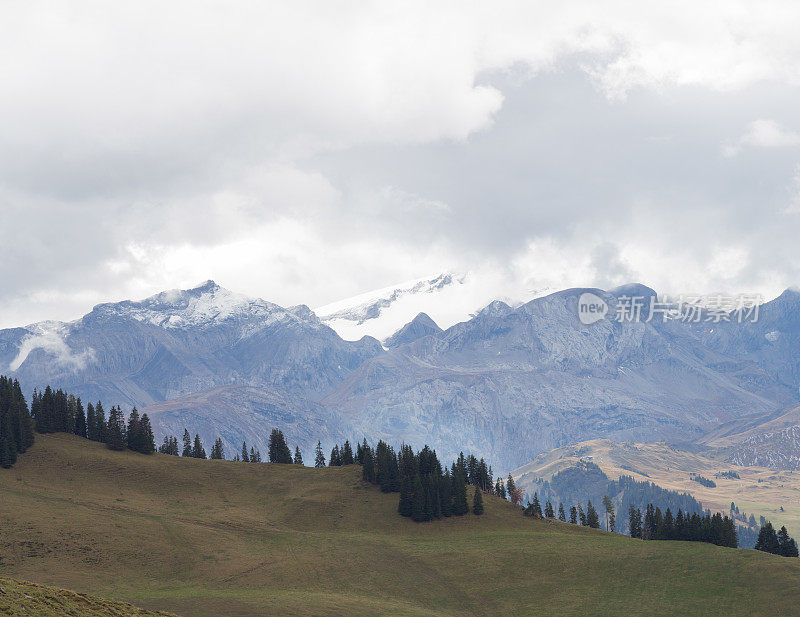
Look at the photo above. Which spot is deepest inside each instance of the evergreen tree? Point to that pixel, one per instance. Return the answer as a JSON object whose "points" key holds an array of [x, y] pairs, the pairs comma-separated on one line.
{"points": [[548, 510], [197, 449], [634, 522], [592, 520], [218, 450], [611, 518], [581, 516], [255, 455], [768, 540], [115, 430], [80, 420], [786, 545], [347, 454], [418, 501], [170, 446], [134, 431], [368, 462], [278, 450], [534, 508], [298, 457], [561, 514], [92, 430], [147, 443], [319, 457], [187, 444], [573, 515], [245, 455], [102, 425], [460, 505], [477, 501], [336, 458]]}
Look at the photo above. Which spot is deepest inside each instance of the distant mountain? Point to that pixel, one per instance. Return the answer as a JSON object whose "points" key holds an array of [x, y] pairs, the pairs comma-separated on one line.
{"points": [[777, 450], [382, 312], [513, 382], [509, 382], [186, 342], [420, 326]]}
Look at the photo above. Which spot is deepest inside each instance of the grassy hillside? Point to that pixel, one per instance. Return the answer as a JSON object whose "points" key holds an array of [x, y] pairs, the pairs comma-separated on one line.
{"points": [[23, 598], [758, 491], [220, 538]]}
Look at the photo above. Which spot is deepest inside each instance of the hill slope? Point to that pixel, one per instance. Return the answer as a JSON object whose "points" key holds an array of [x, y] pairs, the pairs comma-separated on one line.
{"points": [[757, 490], [213, 537], [23, 598]]}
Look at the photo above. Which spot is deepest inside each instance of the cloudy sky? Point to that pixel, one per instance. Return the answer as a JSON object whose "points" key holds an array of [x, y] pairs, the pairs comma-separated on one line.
{"points": [[305, 152]]}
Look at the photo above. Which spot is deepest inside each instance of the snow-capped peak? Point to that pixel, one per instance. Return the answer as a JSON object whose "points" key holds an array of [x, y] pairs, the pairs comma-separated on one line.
{"points": [[205, 304]]}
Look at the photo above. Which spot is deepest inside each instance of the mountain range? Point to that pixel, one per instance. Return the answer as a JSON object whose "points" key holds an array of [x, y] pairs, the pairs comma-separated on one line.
{"points": [[508, 382]]}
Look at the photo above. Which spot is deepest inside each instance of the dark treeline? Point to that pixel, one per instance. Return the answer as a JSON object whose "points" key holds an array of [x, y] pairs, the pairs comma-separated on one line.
{"points": [[712, 528], [428, 490], [16, 432], [56, 411], [777, 543]]}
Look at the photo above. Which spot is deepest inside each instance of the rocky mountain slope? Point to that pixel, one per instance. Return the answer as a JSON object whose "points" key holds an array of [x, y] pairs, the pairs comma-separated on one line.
{"points": [[508, 383]]}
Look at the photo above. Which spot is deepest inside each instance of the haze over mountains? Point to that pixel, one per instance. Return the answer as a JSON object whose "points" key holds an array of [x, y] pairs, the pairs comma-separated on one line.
{"points": [[509, 382]]}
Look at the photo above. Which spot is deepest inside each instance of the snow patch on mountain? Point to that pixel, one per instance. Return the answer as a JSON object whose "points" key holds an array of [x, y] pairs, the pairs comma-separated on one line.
{"points": [[448, 298]]}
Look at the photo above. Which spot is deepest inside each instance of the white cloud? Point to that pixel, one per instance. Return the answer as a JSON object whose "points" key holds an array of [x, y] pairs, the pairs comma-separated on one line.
{"points": [[762, 134], [52, 342]]}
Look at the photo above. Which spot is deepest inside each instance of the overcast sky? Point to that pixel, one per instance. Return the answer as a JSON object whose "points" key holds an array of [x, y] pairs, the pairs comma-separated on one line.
{"points": [[309, 151]]}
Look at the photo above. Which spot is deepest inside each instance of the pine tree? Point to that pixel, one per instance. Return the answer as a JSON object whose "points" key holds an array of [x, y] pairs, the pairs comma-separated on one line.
{"points": [[218, 450], [336, 457], [347, 454], [102, 425], [768, 540], [548, 510], [592, 520], [245, 455], [368, 463], [298, 457], [147, 443], [197, 450], [187, 444], [534, 508], [581, 516], [134, 431], [460, 505], [418, 501], [278, 450], [561, 514], [319, 457], [786, 545], [610, 515], [477, 501], [92, 431], [573, 515], [115, 430], [80, 419]]}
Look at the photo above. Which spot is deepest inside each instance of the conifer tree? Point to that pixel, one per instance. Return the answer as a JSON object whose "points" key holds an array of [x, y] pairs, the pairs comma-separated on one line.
{"points": [[592, 520], [768, 539], [146, 440], [477, 501], [115, 430], [548, 510], [368, 463], [319, 457], [418, 501], [218, 450], [80, 419], [581, 516], [278, 450], [298, 457], [134, 431], [573, 515], [561, 514], [245, 456], [336, 457], [102, 425], [92, 431], [187, 444], [610, 515], [197, 449], [347, 454], [460, 505], [786, 545]]}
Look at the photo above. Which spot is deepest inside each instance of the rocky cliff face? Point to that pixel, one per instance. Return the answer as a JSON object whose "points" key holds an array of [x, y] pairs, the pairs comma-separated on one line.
{"points": [[777, 450]]}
